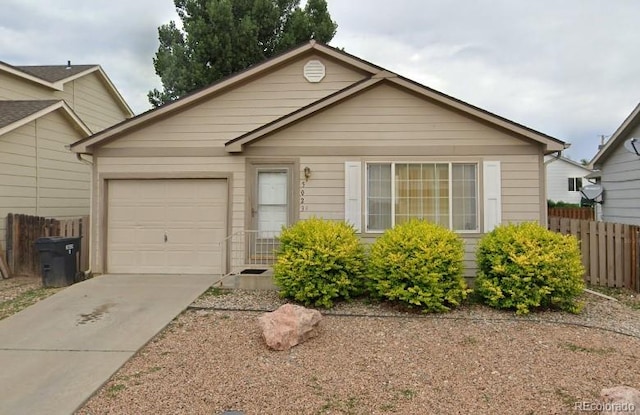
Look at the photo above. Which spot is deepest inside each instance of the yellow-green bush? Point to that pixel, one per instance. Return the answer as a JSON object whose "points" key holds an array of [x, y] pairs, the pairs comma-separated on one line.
{"points": [[319, 261], [419, 264], [526, 266]]}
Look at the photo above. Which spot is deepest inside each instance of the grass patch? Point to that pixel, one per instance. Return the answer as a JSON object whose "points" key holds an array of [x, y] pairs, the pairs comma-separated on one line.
{"points": [[335, 404], [564, 396], [408, 393], [469, 341], [214, 292], [577, 348], [24, 300], [113, 390], [626, 296]]}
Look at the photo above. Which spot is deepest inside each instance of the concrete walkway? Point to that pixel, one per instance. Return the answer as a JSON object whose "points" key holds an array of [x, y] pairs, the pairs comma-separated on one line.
{"points": [[55, 354]]}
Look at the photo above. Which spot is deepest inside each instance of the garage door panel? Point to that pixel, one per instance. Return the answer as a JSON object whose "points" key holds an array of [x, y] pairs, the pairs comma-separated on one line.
{"points": [[190, 213]]}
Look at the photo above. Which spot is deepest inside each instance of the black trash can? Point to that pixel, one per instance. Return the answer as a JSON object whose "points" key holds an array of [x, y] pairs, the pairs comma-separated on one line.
{"points": [[58, 260]]}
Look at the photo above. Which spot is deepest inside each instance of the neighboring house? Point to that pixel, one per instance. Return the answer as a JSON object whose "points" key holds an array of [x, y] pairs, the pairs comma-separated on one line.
{"points": [[198, 185], [44, 109], [565, 178], [620, 173], [85, 88]]}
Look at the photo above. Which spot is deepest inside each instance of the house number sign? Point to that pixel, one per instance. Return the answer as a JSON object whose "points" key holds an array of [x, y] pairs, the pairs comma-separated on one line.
{"points": [[303, 207]]}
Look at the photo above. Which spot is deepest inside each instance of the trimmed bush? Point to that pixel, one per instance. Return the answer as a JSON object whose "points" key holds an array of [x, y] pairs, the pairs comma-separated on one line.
{"points": [[527, 266], [419, 264], [319, 261]]}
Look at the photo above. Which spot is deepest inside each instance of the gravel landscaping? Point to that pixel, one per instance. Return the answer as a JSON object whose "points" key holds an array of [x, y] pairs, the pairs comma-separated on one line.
{"points": [[377, 359]]}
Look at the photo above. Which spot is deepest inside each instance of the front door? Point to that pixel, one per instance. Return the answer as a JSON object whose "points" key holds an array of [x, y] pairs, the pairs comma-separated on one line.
{"points": [[272, 202], [270, 210]]}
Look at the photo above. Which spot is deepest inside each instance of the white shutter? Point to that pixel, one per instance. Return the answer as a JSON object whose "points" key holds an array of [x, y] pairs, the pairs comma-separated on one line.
{"points": [[492, 186], [352, 194]]}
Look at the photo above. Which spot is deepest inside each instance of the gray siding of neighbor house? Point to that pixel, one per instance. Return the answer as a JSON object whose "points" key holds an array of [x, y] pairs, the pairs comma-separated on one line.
{"points": [[621, 183]]}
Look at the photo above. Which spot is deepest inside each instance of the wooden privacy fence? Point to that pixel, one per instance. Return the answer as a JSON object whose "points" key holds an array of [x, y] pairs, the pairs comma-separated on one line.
{"points": [[585, 213], [22, 232], [610, 251]]}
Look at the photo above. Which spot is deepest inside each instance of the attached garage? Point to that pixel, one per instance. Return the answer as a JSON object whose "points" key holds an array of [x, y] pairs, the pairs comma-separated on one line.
{"points": [[166, 226]]}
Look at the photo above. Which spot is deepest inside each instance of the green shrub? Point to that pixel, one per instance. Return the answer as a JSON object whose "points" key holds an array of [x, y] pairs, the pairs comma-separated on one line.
{"points": [[561, 204], [319, 261], [420, 264], [526, 266]]}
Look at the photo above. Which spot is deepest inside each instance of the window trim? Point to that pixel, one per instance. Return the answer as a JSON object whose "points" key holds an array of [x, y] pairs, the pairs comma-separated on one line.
{"points": [[393, 192], [573, 182]]}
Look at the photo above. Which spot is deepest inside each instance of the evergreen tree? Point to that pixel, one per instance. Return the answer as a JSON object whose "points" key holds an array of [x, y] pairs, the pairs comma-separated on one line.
{"points": [[221, 37]]}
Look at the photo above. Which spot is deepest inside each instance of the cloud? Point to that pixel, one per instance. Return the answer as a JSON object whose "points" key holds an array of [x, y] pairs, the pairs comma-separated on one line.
{"points": [[567, 68]]}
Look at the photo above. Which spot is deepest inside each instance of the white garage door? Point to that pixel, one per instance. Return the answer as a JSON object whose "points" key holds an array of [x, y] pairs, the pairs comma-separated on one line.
{"points": [[166, 226]]}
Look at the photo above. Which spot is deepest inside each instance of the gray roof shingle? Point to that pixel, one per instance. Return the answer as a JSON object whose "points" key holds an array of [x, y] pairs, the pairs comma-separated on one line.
{"points": [[54, 73], [12, 111]]}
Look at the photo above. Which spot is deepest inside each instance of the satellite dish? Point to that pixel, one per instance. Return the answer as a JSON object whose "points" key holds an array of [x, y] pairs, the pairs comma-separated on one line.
{"points": [[591, 191], [633, 145]]}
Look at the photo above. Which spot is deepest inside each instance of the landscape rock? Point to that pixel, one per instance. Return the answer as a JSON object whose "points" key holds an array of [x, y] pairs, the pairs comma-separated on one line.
{"points": [[621, 400], [288, 326]]}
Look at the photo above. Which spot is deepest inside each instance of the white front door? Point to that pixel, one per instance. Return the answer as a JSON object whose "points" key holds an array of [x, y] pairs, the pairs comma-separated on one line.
{"points": [[272, 197]]}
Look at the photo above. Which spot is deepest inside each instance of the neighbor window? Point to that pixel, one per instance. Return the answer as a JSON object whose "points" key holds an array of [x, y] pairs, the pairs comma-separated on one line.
{"points": [[443, 193], [575, 184]]}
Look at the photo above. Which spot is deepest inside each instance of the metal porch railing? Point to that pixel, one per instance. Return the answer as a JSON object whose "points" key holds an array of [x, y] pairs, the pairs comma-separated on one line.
{"points": [[249, 249]]}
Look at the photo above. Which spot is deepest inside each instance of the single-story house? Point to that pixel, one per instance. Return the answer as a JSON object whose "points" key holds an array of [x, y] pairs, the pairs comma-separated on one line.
{"points": [[43, 110], [565, 178], [203, 184], [619, 171]]}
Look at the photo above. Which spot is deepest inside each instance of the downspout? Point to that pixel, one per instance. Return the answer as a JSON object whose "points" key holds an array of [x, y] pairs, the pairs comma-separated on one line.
{"points": [[88, 273], [37, 150]]}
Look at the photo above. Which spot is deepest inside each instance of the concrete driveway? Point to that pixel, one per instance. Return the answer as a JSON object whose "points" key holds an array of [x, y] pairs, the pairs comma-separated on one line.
{"points": [[55, 354]]}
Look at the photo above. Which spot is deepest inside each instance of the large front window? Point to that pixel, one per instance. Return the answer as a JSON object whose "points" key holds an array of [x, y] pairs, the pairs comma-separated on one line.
{"points": [[443, 193]]}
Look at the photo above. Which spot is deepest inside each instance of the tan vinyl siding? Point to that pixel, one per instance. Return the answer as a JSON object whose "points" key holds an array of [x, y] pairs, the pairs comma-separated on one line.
{"points": [[14, 88], [42, 178], [17, 175], [93, 103], [88, 96], [242, 109], [324, 191], [63, 181], [385, 116]]}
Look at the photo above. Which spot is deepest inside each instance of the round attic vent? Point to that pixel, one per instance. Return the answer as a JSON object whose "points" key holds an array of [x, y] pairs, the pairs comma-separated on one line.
{"points": [[314, 71]]}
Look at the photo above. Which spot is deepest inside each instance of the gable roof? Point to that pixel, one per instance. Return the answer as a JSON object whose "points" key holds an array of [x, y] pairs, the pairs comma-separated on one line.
{"points": [[618, 137], [55, 73], [14, 114], [55, 76], [12, 111], [376, 76], [567, 160]]}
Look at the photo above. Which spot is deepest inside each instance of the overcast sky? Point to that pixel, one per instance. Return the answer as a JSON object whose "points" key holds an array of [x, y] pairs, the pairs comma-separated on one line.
{"points": [[568, 68]]}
